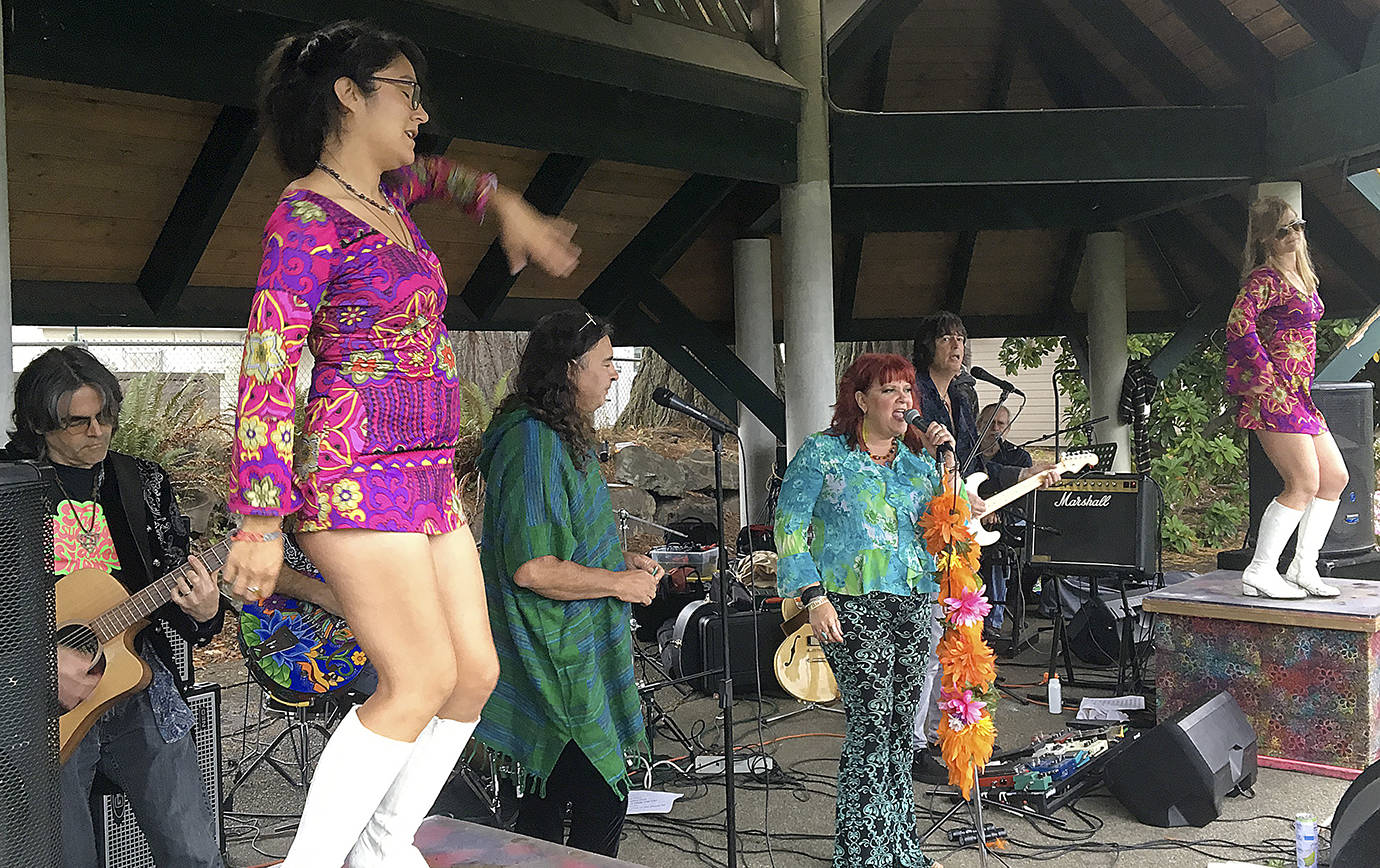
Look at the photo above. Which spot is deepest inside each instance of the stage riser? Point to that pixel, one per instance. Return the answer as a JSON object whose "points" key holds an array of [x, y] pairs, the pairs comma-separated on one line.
{"points": [[1309, 693]]}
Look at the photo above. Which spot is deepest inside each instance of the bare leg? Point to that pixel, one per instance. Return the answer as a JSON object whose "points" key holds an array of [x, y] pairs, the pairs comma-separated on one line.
{"points": [[1295, 456], [387, 588], [1317, 519], [387, 839]]}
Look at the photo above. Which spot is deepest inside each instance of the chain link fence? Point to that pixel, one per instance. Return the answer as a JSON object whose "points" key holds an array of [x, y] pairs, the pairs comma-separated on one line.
{"points": [[216, 363]]}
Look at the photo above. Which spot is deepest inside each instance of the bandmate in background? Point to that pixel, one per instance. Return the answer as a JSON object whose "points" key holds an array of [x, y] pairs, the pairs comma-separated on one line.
{"points": [[849, 546], [998, 560], [559, 586], [346, 273], [941, 342], [118, 514], [1270, 356]]}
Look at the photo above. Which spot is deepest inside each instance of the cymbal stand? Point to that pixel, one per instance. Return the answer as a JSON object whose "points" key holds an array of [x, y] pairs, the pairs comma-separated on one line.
{"points": [[624, 517]]}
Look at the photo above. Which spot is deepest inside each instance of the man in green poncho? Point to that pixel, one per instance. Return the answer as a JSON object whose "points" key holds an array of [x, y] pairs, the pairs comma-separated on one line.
{"points": [[566, 706]]}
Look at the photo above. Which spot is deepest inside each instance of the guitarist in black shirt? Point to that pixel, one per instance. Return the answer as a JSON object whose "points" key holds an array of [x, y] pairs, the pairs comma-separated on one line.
{"points": [[117, 513]]}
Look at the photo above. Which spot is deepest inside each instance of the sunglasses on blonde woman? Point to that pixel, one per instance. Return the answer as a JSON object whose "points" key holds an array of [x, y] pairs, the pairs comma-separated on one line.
{"points": [[1282, 232]]}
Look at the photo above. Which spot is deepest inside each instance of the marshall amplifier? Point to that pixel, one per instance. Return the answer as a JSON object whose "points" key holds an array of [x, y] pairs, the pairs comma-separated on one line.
{"points": [[1094, 524]]}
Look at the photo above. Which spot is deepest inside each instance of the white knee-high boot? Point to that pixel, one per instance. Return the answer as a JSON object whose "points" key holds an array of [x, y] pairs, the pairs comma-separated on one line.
{"points": [[353, 774], [387, 838], [1262, 575], [1313, 528]]}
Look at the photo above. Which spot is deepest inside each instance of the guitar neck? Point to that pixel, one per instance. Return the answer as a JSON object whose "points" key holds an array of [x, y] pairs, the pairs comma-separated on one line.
{"points": [[1025, 486], [144, 602]]}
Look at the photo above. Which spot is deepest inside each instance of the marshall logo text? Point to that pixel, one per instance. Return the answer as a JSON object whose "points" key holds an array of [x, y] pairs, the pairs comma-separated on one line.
{"points": [[1070, 499]]}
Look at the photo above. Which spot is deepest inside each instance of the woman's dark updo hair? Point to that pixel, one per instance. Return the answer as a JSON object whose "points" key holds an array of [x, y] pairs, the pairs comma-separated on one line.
{"points": [[931, 329], [297, 97], [42, 387], [544, 384]]}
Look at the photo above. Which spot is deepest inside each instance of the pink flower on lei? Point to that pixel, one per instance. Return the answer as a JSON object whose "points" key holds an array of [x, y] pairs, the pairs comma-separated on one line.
{"points": [[969, 607], [963, 709]]}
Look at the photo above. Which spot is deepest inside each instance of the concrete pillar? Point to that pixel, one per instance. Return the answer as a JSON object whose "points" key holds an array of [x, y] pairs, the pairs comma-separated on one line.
{"points": [[755, 343], [807, 235], [6, 286], [1289, 191], [1104, 270]]}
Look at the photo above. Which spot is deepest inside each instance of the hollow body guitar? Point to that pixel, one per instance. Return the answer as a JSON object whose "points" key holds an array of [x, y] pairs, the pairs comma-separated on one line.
{"points": [[295, 650], [801, 668], [984, 536]]}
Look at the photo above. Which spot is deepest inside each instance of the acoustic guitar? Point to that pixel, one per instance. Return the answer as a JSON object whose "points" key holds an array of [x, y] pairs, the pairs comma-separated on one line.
{"points": [[294, 650], [987, 536], [801, 667]]}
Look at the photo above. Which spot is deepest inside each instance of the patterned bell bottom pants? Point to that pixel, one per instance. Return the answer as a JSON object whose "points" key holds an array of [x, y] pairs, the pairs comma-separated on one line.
{"points": [[879, 667]]}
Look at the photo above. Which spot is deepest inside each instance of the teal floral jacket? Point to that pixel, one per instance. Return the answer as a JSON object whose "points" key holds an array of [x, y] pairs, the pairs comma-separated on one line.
{"points": [[846, 521]]}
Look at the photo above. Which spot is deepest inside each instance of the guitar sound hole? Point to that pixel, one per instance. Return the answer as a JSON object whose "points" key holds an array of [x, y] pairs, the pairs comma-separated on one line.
{"points": [[79, 637]]}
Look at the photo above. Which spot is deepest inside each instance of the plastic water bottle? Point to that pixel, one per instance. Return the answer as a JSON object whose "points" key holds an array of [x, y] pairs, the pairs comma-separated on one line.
{"points": [[1305, 840], [1056, 695]]}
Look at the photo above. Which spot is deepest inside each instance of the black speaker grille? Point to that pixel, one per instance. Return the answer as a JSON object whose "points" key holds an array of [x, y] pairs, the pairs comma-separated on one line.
{"points": [[29, 833]]}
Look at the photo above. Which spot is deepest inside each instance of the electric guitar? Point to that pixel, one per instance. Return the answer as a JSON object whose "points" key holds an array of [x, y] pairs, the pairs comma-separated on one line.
{"points": [[984, 536], [800, 665], [295, 650]]}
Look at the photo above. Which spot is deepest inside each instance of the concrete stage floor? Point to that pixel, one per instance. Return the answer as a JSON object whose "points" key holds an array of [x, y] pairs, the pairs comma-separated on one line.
{"points": [[798, 806]]}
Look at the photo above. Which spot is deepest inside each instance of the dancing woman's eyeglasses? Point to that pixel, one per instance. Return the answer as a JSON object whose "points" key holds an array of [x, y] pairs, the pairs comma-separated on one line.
{"points": [[1283, 232], [414, 88]]}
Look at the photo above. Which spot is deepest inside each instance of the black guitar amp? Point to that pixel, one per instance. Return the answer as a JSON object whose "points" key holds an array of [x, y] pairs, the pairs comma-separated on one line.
{"points": [[1096, 523]]}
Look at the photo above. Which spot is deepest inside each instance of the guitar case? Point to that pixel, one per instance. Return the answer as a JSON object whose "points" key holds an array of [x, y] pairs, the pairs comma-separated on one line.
{"points": [[692, 645]]}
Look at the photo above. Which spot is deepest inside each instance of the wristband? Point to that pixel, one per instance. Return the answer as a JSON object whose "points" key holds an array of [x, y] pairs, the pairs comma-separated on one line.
{"points": [[811, 593], [251, 536], [816, 603]]}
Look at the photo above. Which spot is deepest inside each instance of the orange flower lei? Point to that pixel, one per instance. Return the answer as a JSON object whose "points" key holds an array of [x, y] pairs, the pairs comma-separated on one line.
{"points": [[968, 664]]}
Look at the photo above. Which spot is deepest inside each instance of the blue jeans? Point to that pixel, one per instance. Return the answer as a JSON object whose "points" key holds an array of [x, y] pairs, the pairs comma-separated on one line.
{"points": [[161, 780], [997, 577]]}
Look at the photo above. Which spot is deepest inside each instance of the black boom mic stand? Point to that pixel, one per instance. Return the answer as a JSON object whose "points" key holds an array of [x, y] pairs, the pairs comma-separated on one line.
{"points": [[717, 429]]}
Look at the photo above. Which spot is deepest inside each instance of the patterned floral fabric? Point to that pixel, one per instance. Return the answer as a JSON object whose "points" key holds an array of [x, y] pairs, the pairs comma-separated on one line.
{"points": [[846, 521], [879, 667], [1310, 694], [1270, 355], [383, 414]]}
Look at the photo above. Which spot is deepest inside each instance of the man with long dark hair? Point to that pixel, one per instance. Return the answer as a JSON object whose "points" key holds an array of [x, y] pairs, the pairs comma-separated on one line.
{"points": [[559, 587], [117, 513]]}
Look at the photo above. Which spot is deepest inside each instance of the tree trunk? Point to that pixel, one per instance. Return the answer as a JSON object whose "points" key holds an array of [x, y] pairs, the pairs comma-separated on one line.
{"points": [[845, 353], [483, 358], [641, 411]]}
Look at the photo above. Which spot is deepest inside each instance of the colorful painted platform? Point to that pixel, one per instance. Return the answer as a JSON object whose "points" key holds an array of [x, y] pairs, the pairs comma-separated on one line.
{"points": [[1305, 672], [448, 843]]}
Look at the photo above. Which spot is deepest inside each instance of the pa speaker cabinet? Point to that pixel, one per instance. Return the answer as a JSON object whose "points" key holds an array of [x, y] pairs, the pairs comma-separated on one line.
{"points": [[1094, 524], [1349, 410], [29, 833], [1178, 773], [119, 841], [1356, 822], [753, 638]]}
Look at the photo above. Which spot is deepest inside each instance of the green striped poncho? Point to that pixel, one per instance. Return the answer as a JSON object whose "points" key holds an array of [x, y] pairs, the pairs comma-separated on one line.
{"points": [[566, 670]]}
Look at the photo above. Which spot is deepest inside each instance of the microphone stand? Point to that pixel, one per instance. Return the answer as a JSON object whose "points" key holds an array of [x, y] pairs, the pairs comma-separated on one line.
{"points": [[726, 677]]}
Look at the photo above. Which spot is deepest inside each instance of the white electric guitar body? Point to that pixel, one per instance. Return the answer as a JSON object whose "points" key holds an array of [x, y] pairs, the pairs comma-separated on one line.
{"points": [[984, 536]]}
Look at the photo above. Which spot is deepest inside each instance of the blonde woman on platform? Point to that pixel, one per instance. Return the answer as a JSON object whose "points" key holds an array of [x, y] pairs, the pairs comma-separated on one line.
{"points": [[1271, 352]]}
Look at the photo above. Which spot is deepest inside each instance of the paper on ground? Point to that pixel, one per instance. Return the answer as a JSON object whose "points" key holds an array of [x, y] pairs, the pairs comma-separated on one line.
{"points": [[1113, 709], [651, 801]]}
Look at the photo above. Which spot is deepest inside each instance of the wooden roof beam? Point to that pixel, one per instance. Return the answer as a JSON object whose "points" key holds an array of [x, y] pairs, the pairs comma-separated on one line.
{"points": [[1231, 40], [212, 181], [1145, 50], [1332, 26]]}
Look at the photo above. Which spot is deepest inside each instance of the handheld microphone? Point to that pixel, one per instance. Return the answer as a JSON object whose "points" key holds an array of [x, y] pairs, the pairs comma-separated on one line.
{"points": [[671, 401], [913, 417], [982, 374]]}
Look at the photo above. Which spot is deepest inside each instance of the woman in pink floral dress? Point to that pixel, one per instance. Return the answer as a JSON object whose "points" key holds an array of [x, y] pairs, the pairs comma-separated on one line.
{"points": [[346, 274], [1270, 357]]}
